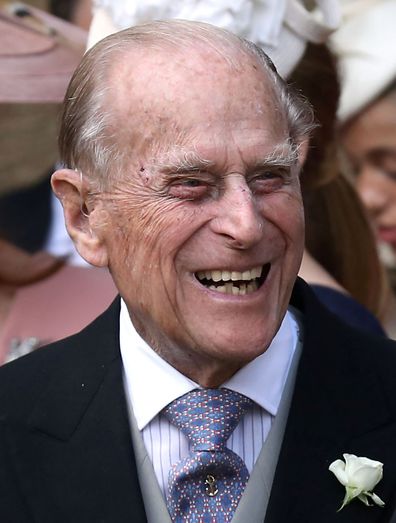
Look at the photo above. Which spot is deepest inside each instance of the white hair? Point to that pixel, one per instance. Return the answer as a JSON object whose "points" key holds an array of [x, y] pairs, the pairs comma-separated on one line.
{"points": [[87, 141]]}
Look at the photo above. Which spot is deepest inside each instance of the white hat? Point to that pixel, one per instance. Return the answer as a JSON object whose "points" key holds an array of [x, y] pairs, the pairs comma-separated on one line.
{"points": [[280, 27], [365, 45]]}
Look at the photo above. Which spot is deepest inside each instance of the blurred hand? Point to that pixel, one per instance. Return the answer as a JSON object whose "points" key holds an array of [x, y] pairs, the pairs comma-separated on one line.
{"points": [[18, 267]]}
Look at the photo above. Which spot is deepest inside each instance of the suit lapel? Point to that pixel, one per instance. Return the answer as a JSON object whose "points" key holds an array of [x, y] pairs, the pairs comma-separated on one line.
{"points": [[325, 421], [74, 458]]}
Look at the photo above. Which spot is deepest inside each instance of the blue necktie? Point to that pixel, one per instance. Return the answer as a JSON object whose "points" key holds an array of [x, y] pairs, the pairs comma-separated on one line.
{"points": [[206, 486]]}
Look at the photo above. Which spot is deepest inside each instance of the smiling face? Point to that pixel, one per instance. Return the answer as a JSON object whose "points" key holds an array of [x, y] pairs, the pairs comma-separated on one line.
{"points": [[370, 142], [204, 227]]}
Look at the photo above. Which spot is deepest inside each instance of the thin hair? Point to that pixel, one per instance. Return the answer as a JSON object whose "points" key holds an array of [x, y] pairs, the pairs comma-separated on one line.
{"points": [[87, 139]]}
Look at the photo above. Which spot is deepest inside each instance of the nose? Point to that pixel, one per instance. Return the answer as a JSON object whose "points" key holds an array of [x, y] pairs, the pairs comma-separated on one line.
{"points": [[371, 186], [238, 218]]}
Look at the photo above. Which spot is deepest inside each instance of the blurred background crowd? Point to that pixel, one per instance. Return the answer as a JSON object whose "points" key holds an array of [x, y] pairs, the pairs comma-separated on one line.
{"points": [[339, 54]]}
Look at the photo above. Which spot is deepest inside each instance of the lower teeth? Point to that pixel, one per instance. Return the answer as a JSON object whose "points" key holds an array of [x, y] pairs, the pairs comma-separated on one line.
{"points": [[235, 290]]}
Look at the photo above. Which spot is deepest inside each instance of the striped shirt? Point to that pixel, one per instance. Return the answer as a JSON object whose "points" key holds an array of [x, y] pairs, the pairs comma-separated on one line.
{"points": [[152, 384]]}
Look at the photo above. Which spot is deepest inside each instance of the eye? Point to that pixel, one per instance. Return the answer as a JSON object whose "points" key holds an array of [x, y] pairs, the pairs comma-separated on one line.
{"points": [[388, 167], [268, 180], [384, 159], [191, 183], [188, 188]]}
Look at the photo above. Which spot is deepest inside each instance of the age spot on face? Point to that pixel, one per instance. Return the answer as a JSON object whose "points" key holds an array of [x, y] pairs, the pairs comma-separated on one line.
{"points": [[144, 175]]}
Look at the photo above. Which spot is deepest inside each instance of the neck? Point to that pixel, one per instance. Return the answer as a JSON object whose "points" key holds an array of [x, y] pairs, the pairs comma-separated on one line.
{"points": [[208, 371], [211, 377]]}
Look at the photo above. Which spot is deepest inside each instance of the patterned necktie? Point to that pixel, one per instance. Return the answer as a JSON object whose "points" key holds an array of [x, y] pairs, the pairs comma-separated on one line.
{"points": [[206, 486]]}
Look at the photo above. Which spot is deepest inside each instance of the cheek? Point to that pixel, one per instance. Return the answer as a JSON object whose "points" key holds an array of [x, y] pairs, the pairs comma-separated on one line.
{"points": [[286, 213], [296, 231], [297, 221], [150, 232]]}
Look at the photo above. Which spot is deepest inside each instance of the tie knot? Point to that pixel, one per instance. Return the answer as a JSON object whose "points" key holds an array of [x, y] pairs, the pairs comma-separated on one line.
{"points": [[207, 416]]}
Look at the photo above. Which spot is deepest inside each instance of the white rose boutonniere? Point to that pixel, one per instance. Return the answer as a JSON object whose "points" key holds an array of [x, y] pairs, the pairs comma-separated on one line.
{"points": [[359, 477]]}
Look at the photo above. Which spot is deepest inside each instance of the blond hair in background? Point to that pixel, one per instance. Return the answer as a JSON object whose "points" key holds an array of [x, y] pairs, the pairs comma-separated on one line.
{"points": [[338, 233]]}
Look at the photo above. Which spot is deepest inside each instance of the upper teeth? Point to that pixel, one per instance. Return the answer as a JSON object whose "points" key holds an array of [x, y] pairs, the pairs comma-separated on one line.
{"points": [[218, 275]]}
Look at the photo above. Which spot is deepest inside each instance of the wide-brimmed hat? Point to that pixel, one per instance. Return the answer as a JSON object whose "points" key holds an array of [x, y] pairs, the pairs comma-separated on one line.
{"points": [[281, 28], [38, 54], [365, 46]]}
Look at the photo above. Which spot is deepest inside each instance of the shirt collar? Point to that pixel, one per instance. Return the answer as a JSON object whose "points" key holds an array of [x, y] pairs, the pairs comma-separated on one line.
{"points": [[152, 383]]}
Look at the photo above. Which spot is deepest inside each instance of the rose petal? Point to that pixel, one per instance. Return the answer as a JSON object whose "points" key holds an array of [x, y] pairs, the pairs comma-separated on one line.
{"points": [[338, 469], [367, 477], [351, 462], [362, 472]]}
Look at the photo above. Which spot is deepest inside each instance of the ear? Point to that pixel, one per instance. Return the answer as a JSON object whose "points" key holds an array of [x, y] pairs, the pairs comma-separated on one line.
{"points": [[81, 215]]}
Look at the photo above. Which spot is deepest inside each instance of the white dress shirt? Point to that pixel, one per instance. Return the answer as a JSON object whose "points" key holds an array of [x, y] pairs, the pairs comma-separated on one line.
{"points": [[152, 384]]}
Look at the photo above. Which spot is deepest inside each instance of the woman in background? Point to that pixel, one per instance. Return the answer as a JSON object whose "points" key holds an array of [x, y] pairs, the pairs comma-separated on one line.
{"points": [[365, 48], [340, 253]]}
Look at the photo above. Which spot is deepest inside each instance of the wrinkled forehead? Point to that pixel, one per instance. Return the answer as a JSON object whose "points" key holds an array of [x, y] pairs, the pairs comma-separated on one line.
{"points": [[175, 91]]}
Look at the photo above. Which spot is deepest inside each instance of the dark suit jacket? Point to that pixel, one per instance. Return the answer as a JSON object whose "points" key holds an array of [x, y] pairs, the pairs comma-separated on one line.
{"points": [[65, 446]]}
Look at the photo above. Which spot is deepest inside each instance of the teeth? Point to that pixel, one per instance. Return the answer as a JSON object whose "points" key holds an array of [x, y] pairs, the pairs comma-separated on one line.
{"points": [[242, 290], [220, 288], [229, 288], [256, 272], [249, 279], [216, 275], [225, 275], [234, 290]]}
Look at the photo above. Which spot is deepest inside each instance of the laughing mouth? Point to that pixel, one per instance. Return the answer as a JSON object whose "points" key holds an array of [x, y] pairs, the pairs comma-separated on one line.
{"points": [[234, 282]]}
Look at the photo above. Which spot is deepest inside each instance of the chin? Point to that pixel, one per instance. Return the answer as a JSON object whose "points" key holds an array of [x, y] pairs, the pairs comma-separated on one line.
{"points": [[240, 349], [387, 254]]}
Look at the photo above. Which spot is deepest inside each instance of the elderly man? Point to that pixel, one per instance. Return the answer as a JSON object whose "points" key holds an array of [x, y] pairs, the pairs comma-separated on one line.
{"points": [[203, 394]]}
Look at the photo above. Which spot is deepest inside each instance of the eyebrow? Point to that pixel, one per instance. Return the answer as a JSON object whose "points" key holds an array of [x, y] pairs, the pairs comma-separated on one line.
{"points": [[280, 157], [178, 161]]}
